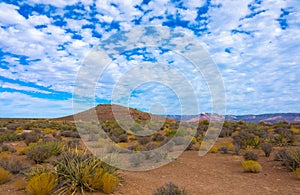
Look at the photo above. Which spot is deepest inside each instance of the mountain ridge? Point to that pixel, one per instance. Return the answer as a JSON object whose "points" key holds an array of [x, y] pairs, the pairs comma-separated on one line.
{"points": [[267, 118]]}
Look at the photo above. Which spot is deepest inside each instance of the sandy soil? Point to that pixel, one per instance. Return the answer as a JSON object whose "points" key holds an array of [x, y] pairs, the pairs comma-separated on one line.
{"points": [[211, 174]]}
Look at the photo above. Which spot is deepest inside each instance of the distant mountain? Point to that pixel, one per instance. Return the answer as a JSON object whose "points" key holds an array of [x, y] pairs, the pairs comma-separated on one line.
{"points": [[267, 118]]}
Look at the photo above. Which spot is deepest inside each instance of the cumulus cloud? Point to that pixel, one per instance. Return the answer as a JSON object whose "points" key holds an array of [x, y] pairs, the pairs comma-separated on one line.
{"points": [[255, 45]]}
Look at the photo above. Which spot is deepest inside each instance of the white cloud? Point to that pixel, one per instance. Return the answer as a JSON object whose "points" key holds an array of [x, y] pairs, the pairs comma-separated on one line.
{"points": [[21, 105], [9, 15], [259, 68], [39, 20], [6, 85]]}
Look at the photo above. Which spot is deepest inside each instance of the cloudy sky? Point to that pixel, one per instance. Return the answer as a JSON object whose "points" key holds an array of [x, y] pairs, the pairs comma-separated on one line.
{"points": [[254, 43]]}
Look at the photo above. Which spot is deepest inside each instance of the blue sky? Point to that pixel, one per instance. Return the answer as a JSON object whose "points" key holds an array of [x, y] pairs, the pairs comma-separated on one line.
{"points": [[254, 43]]}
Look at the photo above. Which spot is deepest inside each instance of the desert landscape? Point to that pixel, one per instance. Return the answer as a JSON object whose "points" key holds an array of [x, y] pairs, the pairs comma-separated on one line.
{"points": [[32, 148], [149, 97]]}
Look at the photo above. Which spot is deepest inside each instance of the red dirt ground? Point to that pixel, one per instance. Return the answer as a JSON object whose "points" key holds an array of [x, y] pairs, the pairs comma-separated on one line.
{"points": [[211, 174]]}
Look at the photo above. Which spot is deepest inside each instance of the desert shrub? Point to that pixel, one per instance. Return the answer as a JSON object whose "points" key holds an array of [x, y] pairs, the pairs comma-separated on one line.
{"points": [[283, 135], [213, 149], [123, 138], [6, 148], [34, 171], [169, 189], [12, 127], [169, 146], [42, 184], [114, 138], [8, 136], [19, 184], [38, 153], [290, 158], [267, 148], [229, 145], [170, 133], [74, 143], [159, 156], [136, 159], [93, 137], [4, 176], [13, 164], [136, 128], [225, 132], [144, 140], [66, 133], [78, 171], [281, 155], [151, 146], [158, 137], [178, 140], [109, 182], [248, 138], [251, 166], [237, 148], [250, 156], [56, 147], [94, 181], [224, 149], [31, 138], [297, 173]]}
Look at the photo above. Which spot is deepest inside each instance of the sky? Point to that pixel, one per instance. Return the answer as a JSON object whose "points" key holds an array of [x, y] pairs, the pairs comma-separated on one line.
{"points": [[254, 44]]}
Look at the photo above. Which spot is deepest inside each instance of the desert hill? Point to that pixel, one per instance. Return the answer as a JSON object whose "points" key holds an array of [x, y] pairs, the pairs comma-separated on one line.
{"points": [[106, 112]]}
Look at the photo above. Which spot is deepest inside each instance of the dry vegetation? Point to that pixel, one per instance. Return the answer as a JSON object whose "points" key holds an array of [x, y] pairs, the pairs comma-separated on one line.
{"points": [[48, 157]]}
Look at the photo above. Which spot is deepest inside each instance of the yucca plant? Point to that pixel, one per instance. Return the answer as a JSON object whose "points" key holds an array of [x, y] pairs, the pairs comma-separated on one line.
{"points": [[78, 171]]}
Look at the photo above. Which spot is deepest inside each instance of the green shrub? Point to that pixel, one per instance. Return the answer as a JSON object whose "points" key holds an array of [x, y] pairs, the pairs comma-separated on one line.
{"points": [[170, 189], [8, 136], [267, 148], [42, 151], [56, 147], [170, 133], [42, 184], [4, 176], [251, 166], [250, 156]]}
